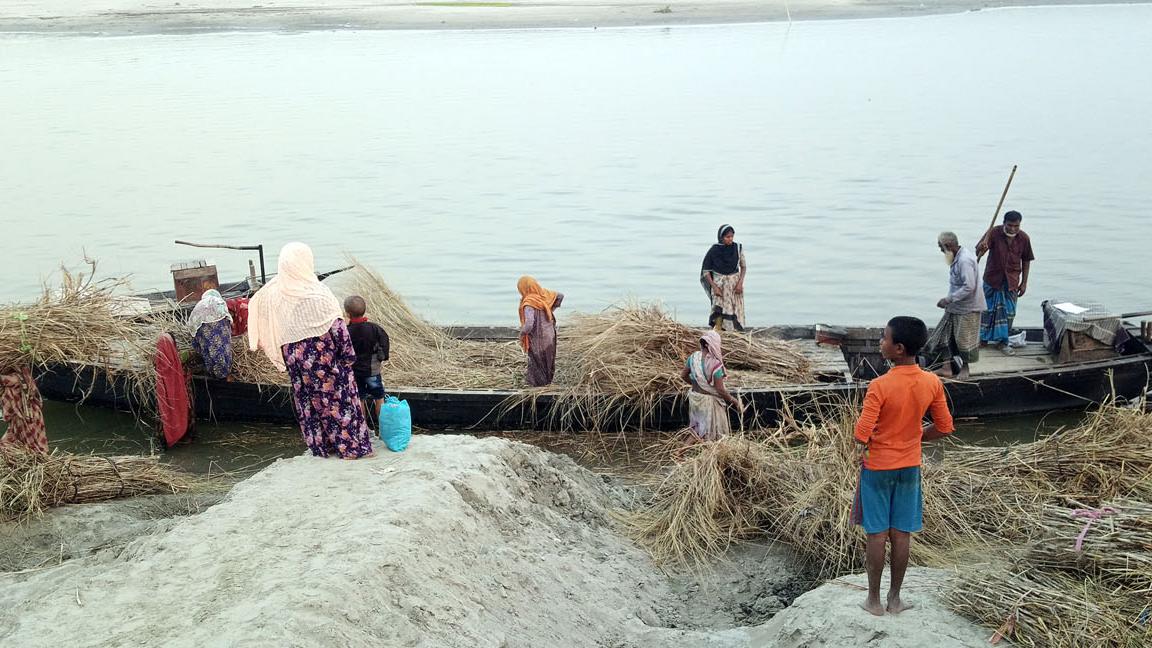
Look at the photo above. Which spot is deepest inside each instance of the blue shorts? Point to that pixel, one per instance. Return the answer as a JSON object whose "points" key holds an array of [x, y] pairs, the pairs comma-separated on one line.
{"points": [[370, 387], [890, 499]]}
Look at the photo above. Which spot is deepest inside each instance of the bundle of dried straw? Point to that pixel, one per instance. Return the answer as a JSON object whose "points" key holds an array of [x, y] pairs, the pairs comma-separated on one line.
{"points": [[617, 364], [617, 367], [76, 322], [31, 482], [975, 497], [1052, 609], [1089, 575]]}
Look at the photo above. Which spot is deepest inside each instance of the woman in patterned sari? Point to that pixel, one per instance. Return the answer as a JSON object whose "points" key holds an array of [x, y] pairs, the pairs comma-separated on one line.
{"points": [[211, 326], [722, 276], [297, 322], [704, 370]]}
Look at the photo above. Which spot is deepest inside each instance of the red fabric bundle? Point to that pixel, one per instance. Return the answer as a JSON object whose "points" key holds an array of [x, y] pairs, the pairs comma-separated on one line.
{"points": [[172, 400], [238, 309]]}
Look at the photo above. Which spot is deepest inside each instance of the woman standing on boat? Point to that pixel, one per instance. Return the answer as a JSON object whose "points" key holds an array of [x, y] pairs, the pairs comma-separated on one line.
{"points": [[298, 323], [211, 325], [722, 276], [704, 370], [538, 329]]}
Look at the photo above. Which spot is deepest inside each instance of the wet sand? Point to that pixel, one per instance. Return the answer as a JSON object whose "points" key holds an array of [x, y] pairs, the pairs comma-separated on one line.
{"points": [[125, 17]]}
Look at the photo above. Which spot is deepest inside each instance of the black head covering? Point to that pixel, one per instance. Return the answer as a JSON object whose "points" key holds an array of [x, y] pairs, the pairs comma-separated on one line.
{"points": [[722, 259]]}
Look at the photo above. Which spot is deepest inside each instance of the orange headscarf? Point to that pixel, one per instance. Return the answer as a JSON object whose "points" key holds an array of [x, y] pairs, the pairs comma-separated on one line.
{"points": [[534, 295]]}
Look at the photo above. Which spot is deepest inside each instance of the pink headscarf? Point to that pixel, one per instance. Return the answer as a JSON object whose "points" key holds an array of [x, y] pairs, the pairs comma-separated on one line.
{"points": [[713, 356], [293, 306]]}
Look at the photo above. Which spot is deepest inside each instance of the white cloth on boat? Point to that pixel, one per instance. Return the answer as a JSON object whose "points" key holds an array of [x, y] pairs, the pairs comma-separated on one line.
{"points": [[210, 309]]}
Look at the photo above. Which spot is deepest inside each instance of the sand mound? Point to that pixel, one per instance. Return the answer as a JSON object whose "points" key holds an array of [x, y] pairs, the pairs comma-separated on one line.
{"points": [[458, 542]]}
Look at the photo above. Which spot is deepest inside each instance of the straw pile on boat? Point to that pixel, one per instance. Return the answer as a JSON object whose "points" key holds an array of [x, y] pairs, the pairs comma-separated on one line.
{"points": [[75, 322], [618, 363], [422, 353], [617, 366], [31, 482]]}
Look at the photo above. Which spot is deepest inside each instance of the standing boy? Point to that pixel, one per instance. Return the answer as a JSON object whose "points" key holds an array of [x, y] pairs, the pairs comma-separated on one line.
{"points": [[370, 342], [888, 503]]}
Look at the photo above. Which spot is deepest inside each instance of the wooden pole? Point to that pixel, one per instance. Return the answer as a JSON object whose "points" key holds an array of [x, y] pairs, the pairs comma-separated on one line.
{"points": [[995, 214]]}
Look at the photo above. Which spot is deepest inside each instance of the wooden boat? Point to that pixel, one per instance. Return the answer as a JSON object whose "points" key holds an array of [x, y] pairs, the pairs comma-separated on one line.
{"points": [[1029, 382]]}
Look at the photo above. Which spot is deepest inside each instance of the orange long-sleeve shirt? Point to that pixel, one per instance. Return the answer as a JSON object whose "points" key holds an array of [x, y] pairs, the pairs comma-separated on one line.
{"points": [[894, 407]]}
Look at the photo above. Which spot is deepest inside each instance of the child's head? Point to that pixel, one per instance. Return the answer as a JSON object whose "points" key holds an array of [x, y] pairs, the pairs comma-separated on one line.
{"points": [[354, 306], [903, 338]]}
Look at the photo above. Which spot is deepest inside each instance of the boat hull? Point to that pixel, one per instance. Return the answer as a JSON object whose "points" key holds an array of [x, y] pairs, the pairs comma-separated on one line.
{"points": [[1076, 386]]}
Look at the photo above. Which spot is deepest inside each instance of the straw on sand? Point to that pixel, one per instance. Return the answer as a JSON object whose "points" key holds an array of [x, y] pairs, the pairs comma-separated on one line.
{"points": [[974, 497], [31, 482], [1111, 543], [1052, 609]]}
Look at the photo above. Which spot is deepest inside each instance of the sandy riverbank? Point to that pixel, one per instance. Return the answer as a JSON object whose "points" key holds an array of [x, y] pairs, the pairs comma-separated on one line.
{"points": [[121, 17], [458, 542]]}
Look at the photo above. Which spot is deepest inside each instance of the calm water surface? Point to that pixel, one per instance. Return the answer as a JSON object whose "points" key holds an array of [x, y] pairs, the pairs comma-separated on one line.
{"points": [[600, 161]]}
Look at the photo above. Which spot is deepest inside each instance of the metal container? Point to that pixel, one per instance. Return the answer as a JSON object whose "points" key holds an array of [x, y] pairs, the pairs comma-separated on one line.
{"points": [[192, 278]]}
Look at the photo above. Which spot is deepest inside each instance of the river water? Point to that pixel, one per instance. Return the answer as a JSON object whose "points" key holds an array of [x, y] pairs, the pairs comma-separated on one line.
{"points": [[602, 161]]}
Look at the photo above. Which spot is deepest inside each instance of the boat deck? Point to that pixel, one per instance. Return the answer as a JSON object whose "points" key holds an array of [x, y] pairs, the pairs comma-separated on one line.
{"points": [[1031, 356]]}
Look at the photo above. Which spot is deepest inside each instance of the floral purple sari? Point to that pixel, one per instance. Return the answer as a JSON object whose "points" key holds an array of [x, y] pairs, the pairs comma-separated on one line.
{"points": [[324, 394]]}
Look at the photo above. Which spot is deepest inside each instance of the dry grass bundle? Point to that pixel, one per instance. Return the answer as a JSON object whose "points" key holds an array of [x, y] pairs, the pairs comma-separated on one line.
{"points": [[975, 497], [638, 349], [615, 368], [423, 354], [1052, 609], [1105, 457], [1116, 547], [31, 482], [76, 322], [707, 502]]}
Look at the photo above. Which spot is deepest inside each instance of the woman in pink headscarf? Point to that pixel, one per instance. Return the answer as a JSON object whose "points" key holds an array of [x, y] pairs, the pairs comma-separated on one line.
{"points": [[704, 370], [297, 322]]}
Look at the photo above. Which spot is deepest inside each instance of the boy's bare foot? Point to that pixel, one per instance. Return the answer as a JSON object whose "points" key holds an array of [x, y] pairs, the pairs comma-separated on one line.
{"points": [[896, 605], [872, 606]]}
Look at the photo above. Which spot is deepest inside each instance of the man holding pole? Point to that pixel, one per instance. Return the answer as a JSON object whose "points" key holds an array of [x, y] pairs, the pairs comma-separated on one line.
{"points": [[1005, 278]]}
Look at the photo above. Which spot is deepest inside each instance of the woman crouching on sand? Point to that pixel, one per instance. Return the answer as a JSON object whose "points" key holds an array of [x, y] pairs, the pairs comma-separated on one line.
{"points": [[704, 370], [298, 323]]}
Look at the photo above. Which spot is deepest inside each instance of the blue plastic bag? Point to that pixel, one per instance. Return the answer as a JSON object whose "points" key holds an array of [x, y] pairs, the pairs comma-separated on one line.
{"points": [[395, 424]]}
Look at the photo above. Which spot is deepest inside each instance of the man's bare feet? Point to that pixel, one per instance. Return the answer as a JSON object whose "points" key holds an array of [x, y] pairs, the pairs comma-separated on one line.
{"points": [[896, 605], [872, 606]]}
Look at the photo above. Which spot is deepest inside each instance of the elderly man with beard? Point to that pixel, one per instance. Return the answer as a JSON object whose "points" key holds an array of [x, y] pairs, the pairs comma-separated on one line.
{"points": [[1005, 278], [957, 337]]}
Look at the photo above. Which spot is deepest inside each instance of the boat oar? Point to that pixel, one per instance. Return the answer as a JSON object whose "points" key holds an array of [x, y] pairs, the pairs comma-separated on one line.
{"points": [[995, 214]]}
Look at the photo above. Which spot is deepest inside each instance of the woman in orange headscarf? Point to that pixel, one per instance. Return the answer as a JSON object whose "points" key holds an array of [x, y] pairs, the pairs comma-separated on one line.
{"points": [[538, 329]]}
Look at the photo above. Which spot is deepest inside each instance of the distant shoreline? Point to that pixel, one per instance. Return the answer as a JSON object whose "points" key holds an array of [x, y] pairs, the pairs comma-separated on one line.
{"points": [[137, 17]]}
